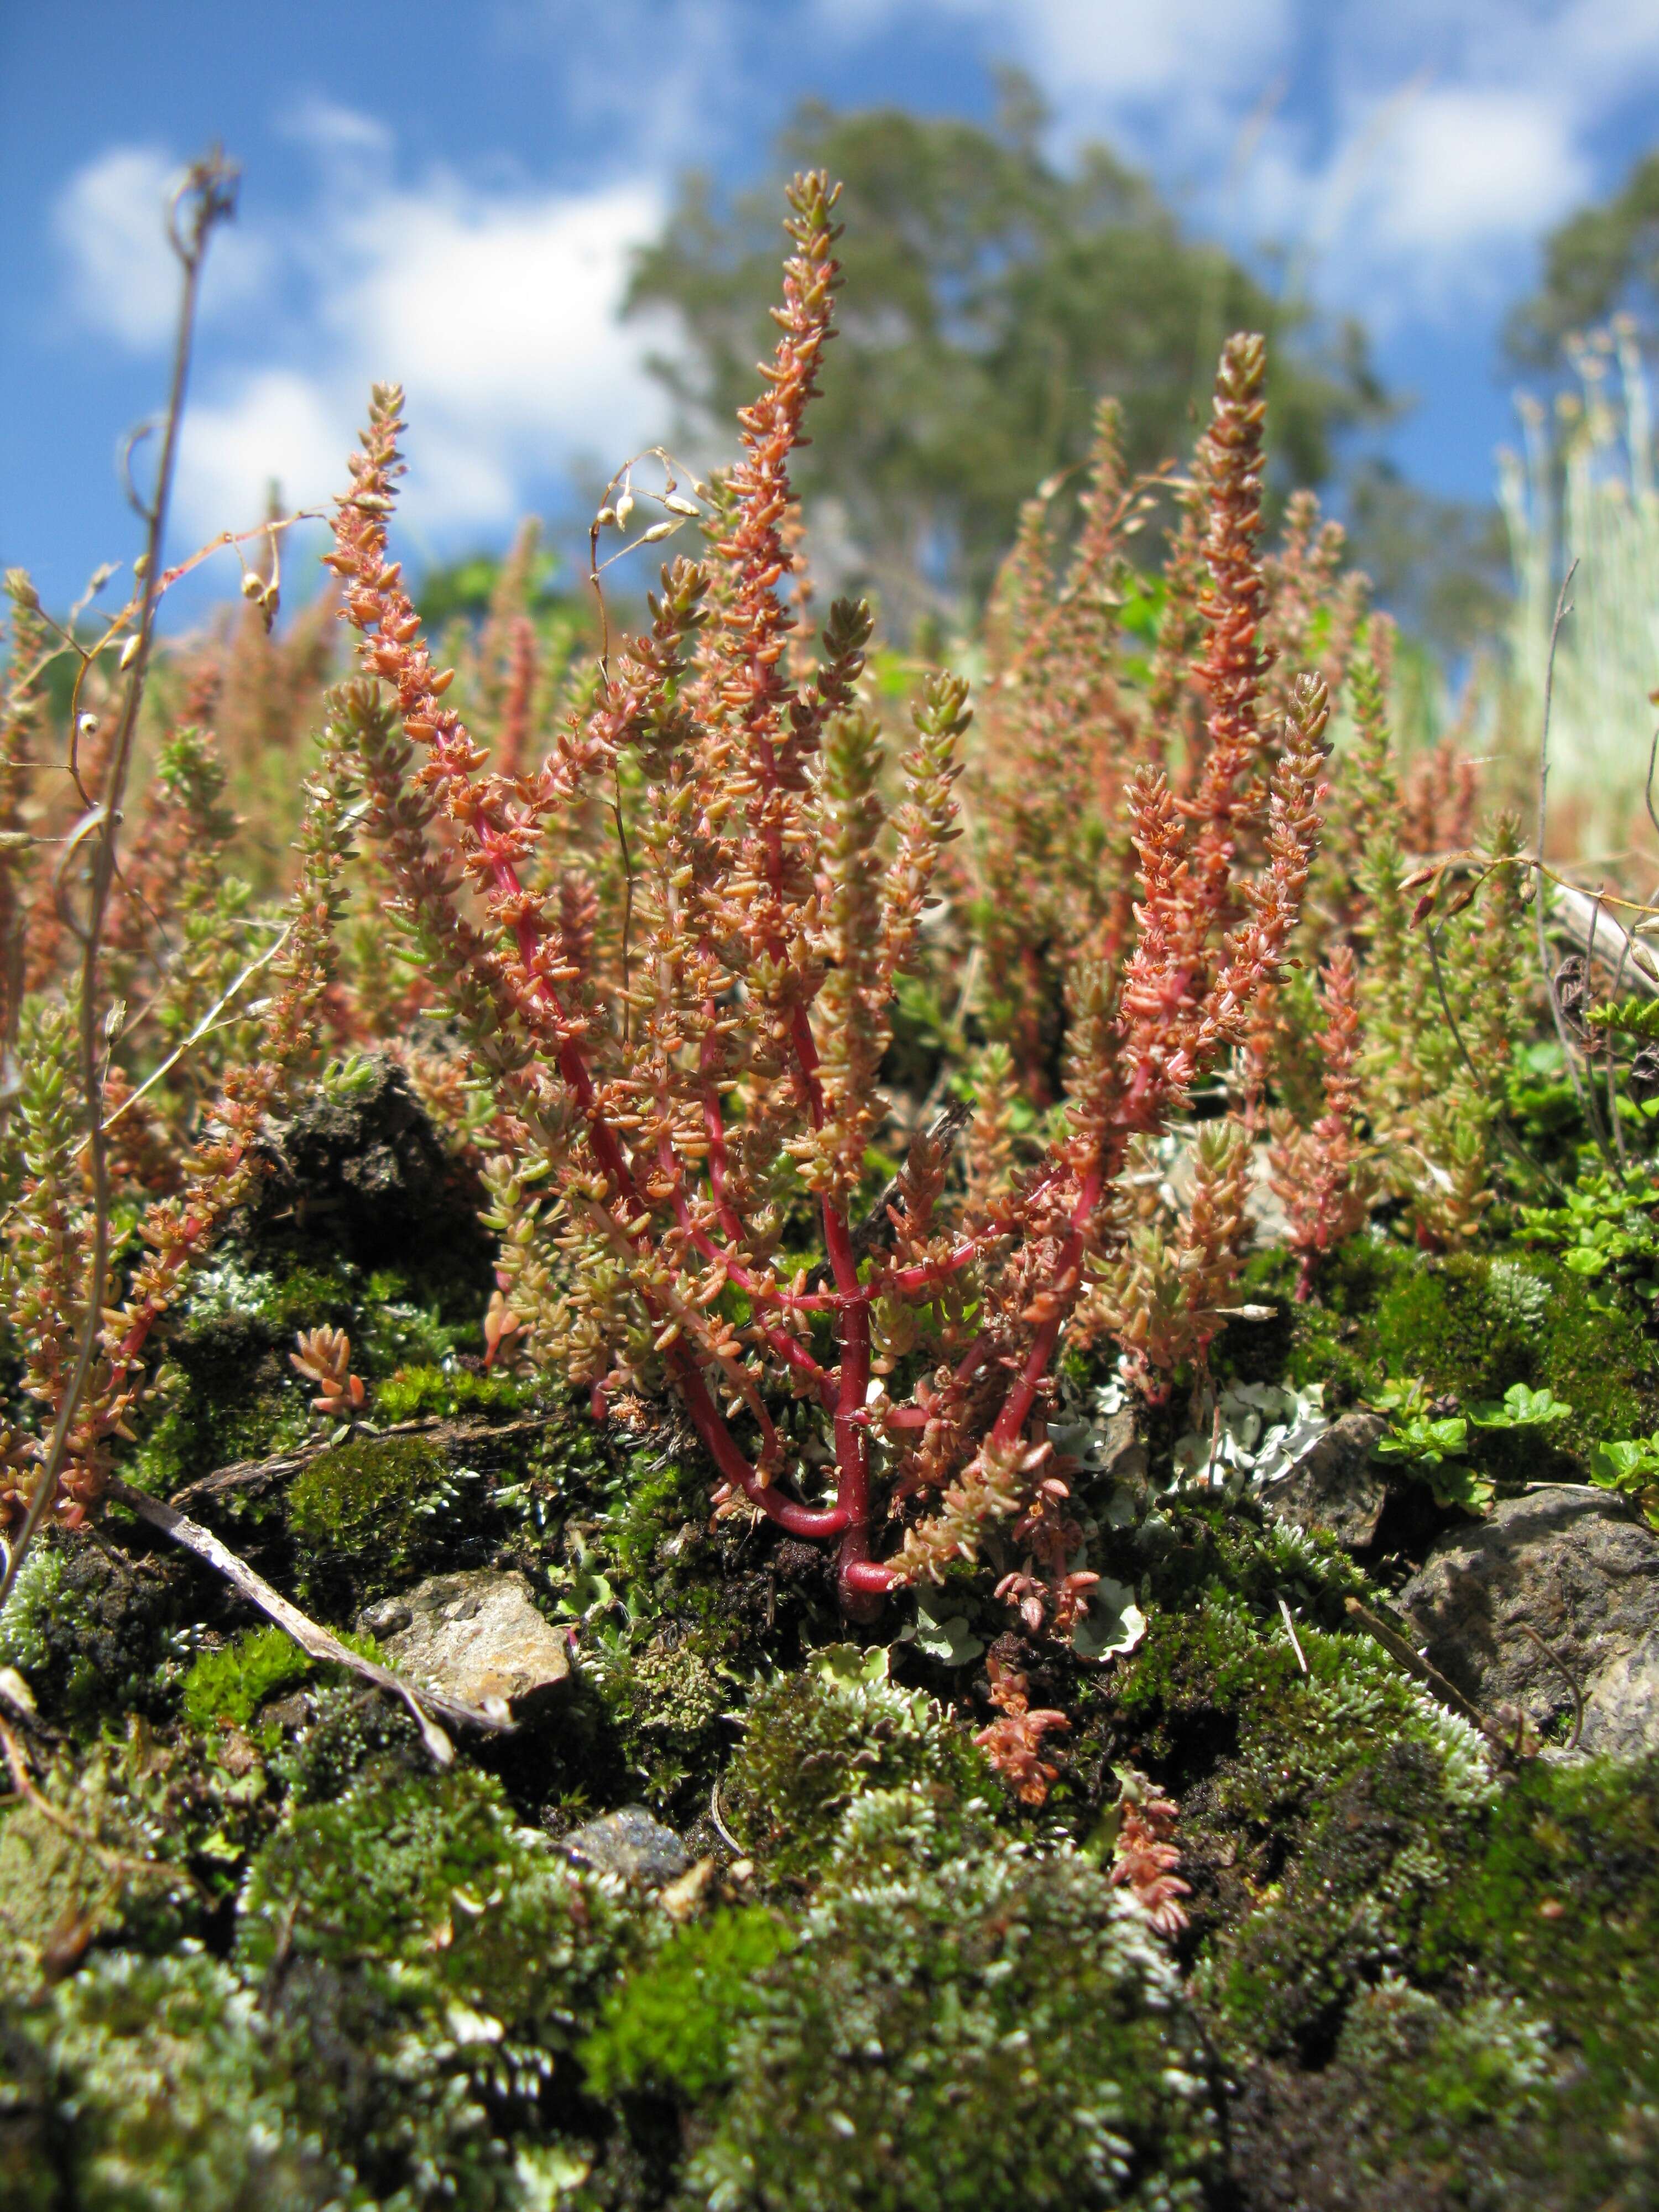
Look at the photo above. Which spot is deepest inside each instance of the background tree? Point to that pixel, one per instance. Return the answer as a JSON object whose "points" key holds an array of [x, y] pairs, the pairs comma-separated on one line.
{"points": [[992, 297], [1603, 258], [1441, 566]]}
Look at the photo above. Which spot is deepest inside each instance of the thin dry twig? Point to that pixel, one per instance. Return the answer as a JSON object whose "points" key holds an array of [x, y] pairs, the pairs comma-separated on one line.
{"points": [[1398, 1648], [204, 1028], [1586, 1105], [117, 1862], [721, 1828], [1568, 1677], [208, 193], [321, 1643], [1290, 1631]]}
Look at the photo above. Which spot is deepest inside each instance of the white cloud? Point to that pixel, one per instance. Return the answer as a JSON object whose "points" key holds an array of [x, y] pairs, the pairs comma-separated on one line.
{"points": [[111, 226], [275, 426], [497, 310], [1182, 54], [1404, 153], [1464, 166], [124, 276], [503, 308], [332, 129]]}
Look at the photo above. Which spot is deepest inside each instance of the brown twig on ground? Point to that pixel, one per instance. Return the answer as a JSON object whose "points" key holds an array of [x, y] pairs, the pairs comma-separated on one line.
{"points": [[1569, 1678], [321, 1643], [117, 1862], [259, 1474], [1398, 1648]]}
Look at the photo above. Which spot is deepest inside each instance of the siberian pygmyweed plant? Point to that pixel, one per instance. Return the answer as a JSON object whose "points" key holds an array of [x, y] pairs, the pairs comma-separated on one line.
{"points": [[672, 945]]}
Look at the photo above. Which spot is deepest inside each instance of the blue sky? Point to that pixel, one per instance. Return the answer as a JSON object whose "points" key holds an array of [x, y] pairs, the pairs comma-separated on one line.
{"points": [[448, 194]]}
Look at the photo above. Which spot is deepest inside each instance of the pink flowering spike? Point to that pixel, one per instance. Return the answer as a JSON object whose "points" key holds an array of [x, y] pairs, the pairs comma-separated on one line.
{"points": [[1143, 1857]]}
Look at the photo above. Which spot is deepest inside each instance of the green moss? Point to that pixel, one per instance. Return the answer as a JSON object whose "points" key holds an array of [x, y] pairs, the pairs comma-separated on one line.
{"points": [[366, 1513], [813, 1742], [1430, 2091], [1453, 2003], [232, 1297], [1422, 2102], [229, 1391], [1598, 1356], [363, 1491], [428, 1873], [1468, 1325], [667, 1701], [1444, 1324], [1561, 1900], [108, 1856], [345, 1730], [48, 1881], [111, 1646], [658, 1499], [159, 2086], [1293, 1738], [1001, 2035], [668, 2026], [396, 1331], [33, 1597], [205, 1424], [1322, 1340], [1189, 1547], [231, 1684], [1283, 1982], [1216, 1705], [413, 1392], [435, 1964]]}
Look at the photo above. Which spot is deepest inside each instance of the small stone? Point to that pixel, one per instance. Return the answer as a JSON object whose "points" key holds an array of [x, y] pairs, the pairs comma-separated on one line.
{"points": [[1572, 1567], [1621, 1713], [289, 1714], [479, 1638], [1335, 1485], [236, 1753], [631, 1844], [385, 1619]]}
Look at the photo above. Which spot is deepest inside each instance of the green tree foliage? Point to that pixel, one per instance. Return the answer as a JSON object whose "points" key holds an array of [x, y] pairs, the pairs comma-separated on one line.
{"points": [[1602, 259], [1441, 566], [992, 298]]}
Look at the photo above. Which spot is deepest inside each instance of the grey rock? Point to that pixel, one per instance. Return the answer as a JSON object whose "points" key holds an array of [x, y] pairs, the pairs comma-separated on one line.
{"points": [[1576, 1568], [632, 1844], [1336, 1483], [1264, 1209], [385, 1619], [479, 1637], [1621, 1714], [1121, 1454]]}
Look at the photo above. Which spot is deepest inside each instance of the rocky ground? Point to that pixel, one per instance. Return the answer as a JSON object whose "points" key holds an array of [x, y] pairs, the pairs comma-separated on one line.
{"points": [[723, 1906]]}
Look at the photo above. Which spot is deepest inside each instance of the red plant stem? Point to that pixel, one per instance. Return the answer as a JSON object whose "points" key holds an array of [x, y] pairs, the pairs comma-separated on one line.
{"points": [[804, 1521], [1068, 1277], [788, 1348], [911, 1279], [714, 1122], [861, 1581]]}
